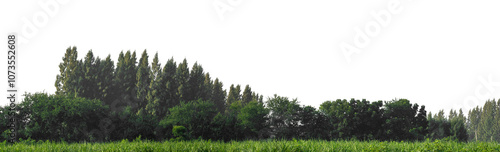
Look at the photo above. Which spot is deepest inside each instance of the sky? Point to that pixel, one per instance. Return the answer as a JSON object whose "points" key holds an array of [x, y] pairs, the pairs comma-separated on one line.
{"points": [[441, 54]]}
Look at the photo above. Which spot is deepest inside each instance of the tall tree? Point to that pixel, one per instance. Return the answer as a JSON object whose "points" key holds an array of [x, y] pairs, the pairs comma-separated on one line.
{"points": [[90, 69], [234, 94], [284, 118], [155, 87], [67, 79], [219, 96], [247, 95], [105, 80], [169, 96], [182, 78], [195, 83], [143, 80], [125, 81], [207, 88]]}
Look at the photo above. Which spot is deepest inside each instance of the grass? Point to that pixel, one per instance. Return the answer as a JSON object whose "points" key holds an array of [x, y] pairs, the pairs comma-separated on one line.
{"points": [[269, 145]]}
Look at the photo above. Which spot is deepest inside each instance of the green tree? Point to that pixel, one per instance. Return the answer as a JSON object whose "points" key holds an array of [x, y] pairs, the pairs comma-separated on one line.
{"points": [[182, 78], [67, 80], [90, 69], [314, 124], [253, 119], [247, 95], [169, 95], [284, 118], [105, 77], [401, 122], [196, 83], [208, 88], [143, 81], [196, 116], [59, 117], [458, 130], [155, 87], [219, 96], [125, 82], [234, 94]]}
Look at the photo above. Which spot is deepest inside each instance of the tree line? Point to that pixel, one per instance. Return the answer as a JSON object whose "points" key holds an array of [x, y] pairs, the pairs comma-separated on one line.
{"points": [[96, 101]]}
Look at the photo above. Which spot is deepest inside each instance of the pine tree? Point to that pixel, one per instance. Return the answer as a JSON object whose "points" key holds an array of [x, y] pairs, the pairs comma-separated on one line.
{"points": [[125, 81], [169, 95], [219, 96], [89, 85], [195, 82], [153, 97], [234, 94], [143, 81], [105, 80], [207, 88], [182, 78], [247, 95], [67, 80]]}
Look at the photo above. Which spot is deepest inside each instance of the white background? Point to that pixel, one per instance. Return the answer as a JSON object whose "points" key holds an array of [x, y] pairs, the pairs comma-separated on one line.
{"points": [[431, 52]]}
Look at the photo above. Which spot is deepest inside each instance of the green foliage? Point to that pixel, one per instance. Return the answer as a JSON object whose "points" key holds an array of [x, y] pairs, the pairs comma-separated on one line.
{"points": [[234, 94], [253, 119], [58, 117], [272, 145], [196, 116], [284, 118], [484, 122], [219, 96], [143, 81], [179, 132]]}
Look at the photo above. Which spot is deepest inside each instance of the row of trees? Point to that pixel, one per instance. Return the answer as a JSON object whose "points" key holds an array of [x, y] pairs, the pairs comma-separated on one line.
{"points": [[146, 88], [95, 101], [484, 122]]}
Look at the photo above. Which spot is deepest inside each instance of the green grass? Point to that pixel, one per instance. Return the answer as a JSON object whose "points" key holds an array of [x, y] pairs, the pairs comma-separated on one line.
{"points": [[271, 145]]}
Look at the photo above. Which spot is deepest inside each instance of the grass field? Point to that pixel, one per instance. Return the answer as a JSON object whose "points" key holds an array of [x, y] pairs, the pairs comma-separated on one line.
{"points": [[272, 145]]}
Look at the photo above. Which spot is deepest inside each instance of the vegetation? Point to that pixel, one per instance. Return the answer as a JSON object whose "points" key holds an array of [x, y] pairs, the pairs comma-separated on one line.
{"points": [[97, 101], [269, 145]]}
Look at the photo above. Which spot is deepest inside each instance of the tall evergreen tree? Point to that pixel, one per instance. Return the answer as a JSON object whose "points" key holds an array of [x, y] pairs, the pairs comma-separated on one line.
{"points": [[219, 96], [207, 88], [234, 94], [143, 80], [89, 85], [196, 82], [169, 95], [105, 80], [182, 78], [155, 87], [67, 80], [247, 95], [125, 81]]}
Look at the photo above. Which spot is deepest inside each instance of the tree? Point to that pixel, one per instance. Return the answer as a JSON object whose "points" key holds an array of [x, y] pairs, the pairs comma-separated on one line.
{"points": [[106, 91], [196, 116], [125, 82], [247, 95], [67, 80], [401, 122], [155, 87], [314, 124], [90, 69], [208, 88], [234, 94], [170, 96], [457, 123], [182, 78], [253, 119], [219, 96], [284, 118], [196, 83], [143, 81], [60, 117]]}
